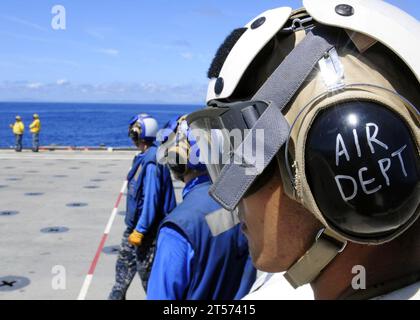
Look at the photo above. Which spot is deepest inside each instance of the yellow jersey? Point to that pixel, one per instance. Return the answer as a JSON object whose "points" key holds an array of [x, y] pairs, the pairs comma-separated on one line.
{"points": [[35, 126], [18, 127]]}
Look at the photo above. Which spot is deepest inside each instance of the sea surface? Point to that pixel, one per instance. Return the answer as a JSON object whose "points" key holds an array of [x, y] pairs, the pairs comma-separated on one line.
{"points": [[78, 124]]}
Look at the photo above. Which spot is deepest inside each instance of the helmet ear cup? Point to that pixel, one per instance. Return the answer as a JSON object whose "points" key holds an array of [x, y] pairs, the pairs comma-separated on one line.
{"points": [[135, 133], [178, 157], [283, 161], [143, 127], [179, 149], [363, 175]]}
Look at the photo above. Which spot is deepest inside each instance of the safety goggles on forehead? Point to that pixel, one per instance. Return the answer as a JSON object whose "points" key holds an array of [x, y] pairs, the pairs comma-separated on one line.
{"points": [[220, 130], [267, 126], [237, 142]]}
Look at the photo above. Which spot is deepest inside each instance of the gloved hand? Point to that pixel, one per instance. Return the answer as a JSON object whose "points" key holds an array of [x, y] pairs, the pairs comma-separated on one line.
{"points": [[135, 238]]}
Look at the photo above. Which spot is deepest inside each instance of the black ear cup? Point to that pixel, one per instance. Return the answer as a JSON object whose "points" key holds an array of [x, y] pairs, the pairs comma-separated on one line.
{"points": [[177, 156], [134, 133], [362, 166]]}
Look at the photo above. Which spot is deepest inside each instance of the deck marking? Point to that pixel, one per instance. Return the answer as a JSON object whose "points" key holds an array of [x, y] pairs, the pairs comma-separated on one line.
{"points": [[88, 280]]}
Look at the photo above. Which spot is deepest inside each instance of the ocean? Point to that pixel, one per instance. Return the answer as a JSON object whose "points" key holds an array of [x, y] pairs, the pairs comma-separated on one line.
{"points": [[81, 124]]}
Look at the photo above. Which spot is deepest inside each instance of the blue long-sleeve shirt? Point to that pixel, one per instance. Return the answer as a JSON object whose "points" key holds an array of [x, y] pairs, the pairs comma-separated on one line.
{"points": [[174, 270], [151, 193], [172, 267]]}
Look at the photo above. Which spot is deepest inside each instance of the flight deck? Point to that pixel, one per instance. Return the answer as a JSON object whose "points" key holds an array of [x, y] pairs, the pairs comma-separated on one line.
{"points": [[61, 223]]}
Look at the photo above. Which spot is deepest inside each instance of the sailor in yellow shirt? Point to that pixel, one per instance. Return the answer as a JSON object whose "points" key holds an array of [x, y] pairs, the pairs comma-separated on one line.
{"points": [[18, 128], [35, 129]]}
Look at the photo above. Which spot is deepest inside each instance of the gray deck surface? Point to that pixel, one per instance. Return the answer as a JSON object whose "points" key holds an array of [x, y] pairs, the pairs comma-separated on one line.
{"points": [[39, 187]]}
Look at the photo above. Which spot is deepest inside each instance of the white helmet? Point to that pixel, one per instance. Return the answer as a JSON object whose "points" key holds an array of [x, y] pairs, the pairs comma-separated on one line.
{"points": [[143, 127], [375, 19], [318, 81]]}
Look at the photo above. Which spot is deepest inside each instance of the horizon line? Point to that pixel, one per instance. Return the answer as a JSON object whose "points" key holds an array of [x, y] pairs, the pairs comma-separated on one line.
{"points": [[108, 102]]}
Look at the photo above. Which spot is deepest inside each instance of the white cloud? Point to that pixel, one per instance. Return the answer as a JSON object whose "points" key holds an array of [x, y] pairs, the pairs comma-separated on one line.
{"points": [[65, 91], [187, 55], [99, 33], [109, 52], [15, 35], [62, 82], [95, 34], [34, 85], [24, 23]]}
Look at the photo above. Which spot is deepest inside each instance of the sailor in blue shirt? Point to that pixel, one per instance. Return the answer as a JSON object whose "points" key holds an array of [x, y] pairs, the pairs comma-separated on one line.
{"points": [[201, 251], [150, 196]]}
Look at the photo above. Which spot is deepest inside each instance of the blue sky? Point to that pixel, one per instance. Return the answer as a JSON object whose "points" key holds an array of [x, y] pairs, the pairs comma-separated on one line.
{"points": [[120, 50]]}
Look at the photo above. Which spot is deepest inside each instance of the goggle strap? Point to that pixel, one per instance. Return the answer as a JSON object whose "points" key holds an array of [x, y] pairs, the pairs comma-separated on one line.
{"points": [[289, 76], [243, 174], [279, 89]]}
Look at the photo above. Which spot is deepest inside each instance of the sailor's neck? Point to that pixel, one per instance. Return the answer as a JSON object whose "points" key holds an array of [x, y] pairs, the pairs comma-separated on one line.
{"points": [[143, 147], [192, 175], [381, 265]]}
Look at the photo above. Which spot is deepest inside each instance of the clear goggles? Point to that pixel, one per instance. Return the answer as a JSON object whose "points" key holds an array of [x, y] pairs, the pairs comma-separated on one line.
{"points": [[237, 141]]}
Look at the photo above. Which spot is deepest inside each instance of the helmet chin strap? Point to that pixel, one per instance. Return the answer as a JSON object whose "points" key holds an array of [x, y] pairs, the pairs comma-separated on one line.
{"points": [[311, 264], [325, 248]]}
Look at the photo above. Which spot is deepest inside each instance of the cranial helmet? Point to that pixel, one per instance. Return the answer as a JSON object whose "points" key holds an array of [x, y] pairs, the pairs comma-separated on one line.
{"points": [[143, 127], [178, 148], [334, 90]]}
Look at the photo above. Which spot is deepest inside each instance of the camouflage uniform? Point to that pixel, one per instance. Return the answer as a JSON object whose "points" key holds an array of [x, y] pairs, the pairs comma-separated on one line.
{"points": [[130, 260]]}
